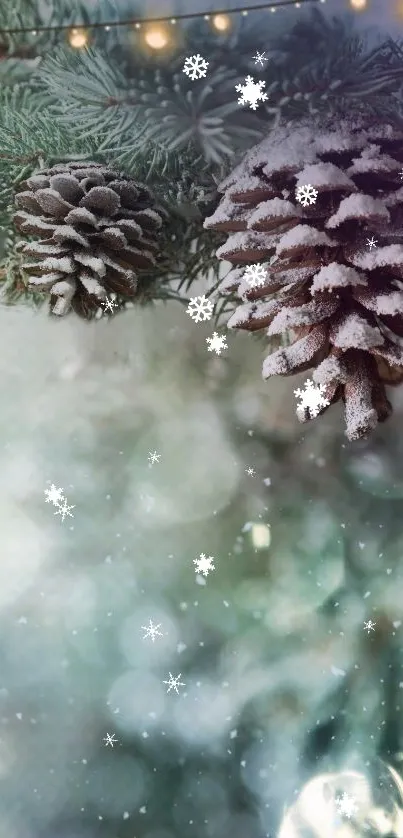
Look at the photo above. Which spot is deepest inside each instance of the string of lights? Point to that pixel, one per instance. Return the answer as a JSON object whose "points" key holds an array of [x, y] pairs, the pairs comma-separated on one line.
{"points": [[139, 22]]}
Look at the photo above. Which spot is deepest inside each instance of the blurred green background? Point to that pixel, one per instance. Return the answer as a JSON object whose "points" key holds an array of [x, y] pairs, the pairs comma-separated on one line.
{"points": [[270, 646], [281, 681]]}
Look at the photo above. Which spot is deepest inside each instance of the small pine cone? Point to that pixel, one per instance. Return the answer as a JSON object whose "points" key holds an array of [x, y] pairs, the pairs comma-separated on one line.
{"points": [[339, 301], [97, 229]]}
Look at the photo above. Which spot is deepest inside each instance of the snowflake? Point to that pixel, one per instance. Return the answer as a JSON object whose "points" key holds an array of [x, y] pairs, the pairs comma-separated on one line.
{"points": [[251, 92], [174, 682], [109, 304], [306, 195], [54, 495], [369, 626], [250, 471], [64, 510], [260, 58], [200, 308], [372, 243], [151, 630], [312, 398], [255, 275], [110, 739], [346, 805], [195, 67], [204, 564], [216, 343], [153, 457]]}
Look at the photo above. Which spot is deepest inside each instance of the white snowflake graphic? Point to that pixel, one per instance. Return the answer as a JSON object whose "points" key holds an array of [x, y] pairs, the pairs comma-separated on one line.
{"points": [[251, 92], [109, 304], [255, 275], [369, 626], [312, 399], [195, 67], [306, 195], [250, 471], [260, 58], [54, 495], [152, 631], [372, 242], [174, 682], [204, 564], [153, 457], [216, 343], [346, 805], [110, 739], [64, 510], [200, 308]]}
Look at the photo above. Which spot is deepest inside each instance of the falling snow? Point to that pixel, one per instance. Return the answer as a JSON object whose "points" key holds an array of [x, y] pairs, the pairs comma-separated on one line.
{"points": [[312, 398], [109, 304], [251, 92], [259, 58], [216, 343], [306, 195], [173, 682], [200, 308], [195, 67], [151, 631], [64, 510], [153, 457], [54, 495], [204, 564], [255, 275]]}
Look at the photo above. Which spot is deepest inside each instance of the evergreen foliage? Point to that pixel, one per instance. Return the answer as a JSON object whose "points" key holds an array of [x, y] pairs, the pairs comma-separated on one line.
{"points": [[140, 114]]}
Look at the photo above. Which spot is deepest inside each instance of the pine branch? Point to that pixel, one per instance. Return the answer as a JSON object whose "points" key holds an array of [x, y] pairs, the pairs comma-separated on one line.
{"points": [[157, 108]]}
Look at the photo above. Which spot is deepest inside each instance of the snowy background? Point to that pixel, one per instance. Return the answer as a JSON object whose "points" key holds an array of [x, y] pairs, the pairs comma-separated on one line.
{"points": [[280, 678]]}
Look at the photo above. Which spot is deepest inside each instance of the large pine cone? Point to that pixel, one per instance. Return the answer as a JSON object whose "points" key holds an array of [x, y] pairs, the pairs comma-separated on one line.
{"points": [[97, 229], [340, 301]]}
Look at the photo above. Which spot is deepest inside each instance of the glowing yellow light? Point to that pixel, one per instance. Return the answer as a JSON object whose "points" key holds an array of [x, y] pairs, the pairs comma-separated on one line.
{"points": [[221, 23], [78, 38], [260, 536], [157, 37], [358, 5]]}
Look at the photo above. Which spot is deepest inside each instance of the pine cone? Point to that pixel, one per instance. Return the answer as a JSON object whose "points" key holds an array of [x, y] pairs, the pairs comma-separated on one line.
{"points": [[340, 301], [97, 229]]}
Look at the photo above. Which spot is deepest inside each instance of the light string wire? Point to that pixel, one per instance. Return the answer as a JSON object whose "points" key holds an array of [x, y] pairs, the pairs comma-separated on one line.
{"points": [[167, 19]]}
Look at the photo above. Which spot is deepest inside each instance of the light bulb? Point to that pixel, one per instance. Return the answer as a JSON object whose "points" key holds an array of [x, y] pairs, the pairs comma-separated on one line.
{"points": [[358, 5], [78, 38], [221, 23], [157, 37]]}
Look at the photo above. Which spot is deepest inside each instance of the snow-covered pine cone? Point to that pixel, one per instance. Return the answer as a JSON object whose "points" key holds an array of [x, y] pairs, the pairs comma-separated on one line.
{"points": [[340, 301], [97, 230]]}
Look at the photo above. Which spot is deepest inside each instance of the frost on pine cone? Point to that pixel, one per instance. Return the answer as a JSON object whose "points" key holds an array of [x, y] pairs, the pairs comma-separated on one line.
{"points": [[339, 301], [97, 230]]}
